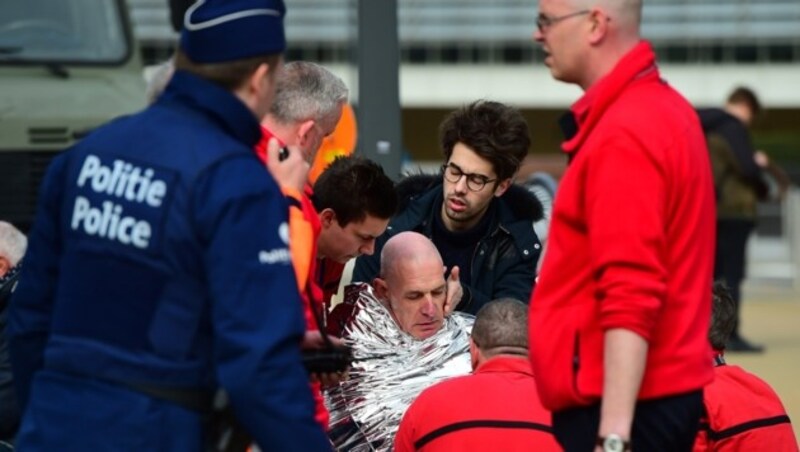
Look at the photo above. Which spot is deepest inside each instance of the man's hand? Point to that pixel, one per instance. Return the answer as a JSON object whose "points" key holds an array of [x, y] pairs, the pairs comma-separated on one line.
{"points": [[292, 171], [454, 291], [314, 340], [761, 158]]}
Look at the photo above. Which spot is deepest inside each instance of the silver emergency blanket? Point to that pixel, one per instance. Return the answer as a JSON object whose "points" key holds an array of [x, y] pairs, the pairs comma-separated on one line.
{"points": [[367, 408]]}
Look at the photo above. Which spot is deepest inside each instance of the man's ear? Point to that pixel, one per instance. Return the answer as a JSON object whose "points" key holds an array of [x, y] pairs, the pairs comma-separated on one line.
{"points": [[304, 131], [253, 91], [502, 187], [381, 288], [473, 354], [327, 217], [258, 80], [5, 266], [599, 25]]}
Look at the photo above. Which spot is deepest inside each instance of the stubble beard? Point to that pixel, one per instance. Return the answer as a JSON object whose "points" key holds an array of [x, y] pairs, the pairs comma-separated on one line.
{"points": [[460, 217]]}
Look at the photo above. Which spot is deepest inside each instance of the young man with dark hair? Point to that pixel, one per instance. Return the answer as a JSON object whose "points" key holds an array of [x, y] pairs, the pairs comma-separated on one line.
{"points": [[480, 221], [158, 270], [741, 411], [494, 408], [355, 200], [739, 184]]}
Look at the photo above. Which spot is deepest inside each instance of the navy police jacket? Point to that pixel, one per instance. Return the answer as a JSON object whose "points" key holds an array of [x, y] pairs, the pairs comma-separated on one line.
{"points": [[159, 256]]}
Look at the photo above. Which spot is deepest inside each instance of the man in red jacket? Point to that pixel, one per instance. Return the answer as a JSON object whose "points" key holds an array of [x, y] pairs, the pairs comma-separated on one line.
{"points": [[495, 408], [307, 105], [619, 317], [742, 412]]}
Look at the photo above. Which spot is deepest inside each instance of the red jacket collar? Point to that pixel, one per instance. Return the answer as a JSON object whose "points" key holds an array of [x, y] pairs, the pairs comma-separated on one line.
{"points": [[636, 64], [506, 364], [261, 146]]}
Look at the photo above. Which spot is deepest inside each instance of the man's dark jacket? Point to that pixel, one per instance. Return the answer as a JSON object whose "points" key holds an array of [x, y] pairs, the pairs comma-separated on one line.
{"points": [[734, 132], [504, 261]]}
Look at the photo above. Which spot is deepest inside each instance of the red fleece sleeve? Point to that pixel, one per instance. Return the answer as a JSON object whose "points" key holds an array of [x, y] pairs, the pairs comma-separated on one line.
{"points": [[626, 216]]}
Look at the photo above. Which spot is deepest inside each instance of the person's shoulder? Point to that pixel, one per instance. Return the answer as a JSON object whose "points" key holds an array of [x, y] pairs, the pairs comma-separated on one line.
{"points": [[236, 175], [446, 390], [415, 197], [654, 119], [735, 385], [649, 97], [710, 117], [414, 189], [517, 210], [519, 204], [733, 374], [178, 135]]}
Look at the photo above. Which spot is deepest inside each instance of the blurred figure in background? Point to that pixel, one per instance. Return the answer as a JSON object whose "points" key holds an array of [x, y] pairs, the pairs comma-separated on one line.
{"points": [[740, 184]]}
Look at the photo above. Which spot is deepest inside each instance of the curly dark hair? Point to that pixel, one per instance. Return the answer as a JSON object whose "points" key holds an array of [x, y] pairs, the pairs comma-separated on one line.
{"points": [[494, 131], [354, 187], [723, 316]]}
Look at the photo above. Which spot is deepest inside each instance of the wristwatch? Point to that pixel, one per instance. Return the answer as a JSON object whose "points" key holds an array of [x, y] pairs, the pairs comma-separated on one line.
{"points": [[613, 443]]}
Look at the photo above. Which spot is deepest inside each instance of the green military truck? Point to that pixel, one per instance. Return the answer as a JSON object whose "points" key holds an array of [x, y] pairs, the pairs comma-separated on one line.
{"points": [[66, 67]]}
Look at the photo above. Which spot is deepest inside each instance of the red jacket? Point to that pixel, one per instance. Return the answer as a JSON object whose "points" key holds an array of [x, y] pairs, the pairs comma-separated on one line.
{"points": [[631, 242], [304, 229], [743, 413], [329, 277], [495, 408]]}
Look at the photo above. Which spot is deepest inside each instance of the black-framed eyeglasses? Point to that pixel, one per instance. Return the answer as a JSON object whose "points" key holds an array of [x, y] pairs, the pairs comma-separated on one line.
{"points": [[545, 22], [475, 182]]}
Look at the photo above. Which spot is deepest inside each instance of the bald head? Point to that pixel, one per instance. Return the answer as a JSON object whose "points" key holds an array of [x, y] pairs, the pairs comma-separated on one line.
{"points": [[407, 249], [412, 284], [628, 12], [584, 39]]}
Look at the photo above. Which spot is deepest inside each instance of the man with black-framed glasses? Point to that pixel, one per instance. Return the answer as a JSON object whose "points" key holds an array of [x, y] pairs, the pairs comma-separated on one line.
{"points": [[481, 223]]}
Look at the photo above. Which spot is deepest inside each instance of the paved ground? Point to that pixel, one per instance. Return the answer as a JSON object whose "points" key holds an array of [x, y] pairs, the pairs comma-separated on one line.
{"points": [[771, 316]]}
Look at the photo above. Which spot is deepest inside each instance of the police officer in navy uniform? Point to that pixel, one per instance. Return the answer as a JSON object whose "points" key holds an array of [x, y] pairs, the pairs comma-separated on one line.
{"points": [[158, 269]]}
